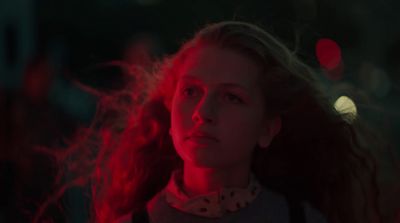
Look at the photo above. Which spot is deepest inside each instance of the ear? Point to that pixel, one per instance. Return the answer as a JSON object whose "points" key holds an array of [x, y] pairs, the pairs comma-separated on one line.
{"points": [[271, 129]]}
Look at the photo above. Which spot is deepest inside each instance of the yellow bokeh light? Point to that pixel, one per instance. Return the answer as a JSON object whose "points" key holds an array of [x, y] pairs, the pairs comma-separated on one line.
{"points": [[344, 105]]}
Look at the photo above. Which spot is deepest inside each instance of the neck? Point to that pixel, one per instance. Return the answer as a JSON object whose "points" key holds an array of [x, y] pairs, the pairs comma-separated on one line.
{"points": [[200, 180]]}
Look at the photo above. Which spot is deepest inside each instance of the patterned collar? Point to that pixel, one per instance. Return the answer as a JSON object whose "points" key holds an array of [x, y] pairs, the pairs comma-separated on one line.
{"points": [[211, 205]]}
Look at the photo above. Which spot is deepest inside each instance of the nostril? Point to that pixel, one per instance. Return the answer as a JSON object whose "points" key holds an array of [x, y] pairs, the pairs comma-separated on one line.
{"points": [[201, 118]]}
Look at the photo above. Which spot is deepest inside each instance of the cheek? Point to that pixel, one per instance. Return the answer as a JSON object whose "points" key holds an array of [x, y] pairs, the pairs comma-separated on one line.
{"points": [[175, 116], [242, 119], [243, 128], [180, 116]]}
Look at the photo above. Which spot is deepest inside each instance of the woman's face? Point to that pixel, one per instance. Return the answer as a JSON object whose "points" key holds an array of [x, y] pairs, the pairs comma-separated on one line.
{"points": [[217, 111]]}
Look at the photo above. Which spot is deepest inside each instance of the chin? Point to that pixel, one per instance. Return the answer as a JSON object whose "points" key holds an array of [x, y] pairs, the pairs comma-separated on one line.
{"points": [[205, 161]]}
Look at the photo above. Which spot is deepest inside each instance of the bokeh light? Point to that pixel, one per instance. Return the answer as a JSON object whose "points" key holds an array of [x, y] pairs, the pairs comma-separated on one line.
{"points": [[328, 53], [344, 105]]}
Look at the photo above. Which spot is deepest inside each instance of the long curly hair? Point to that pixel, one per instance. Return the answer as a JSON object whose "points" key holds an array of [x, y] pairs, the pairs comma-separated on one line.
{"points": [[319, 156]]}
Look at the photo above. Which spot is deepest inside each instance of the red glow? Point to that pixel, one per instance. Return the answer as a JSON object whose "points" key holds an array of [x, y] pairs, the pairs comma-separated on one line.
{"points": [[328, 53]]}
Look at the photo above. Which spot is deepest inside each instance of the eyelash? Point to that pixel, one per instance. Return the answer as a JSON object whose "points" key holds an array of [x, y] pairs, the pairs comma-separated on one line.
{"points": [[185, 89], [231, 97], [235, 97]]}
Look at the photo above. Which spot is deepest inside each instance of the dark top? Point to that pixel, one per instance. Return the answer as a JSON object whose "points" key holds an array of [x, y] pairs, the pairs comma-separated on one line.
{"points": [[267, 207]]}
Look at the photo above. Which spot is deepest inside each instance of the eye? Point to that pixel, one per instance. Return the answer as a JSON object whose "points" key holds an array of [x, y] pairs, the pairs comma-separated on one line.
{"points": [[189, 91], [233, 98]]}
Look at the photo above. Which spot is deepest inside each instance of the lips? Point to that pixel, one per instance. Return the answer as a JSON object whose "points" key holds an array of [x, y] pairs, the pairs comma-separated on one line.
{"points": [[201, 136]]}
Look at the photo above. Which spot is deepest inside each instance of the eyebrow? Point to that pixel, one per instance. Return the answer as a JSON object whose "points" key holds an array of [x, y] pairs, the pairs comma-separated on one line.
{"points": [[228, 85]]}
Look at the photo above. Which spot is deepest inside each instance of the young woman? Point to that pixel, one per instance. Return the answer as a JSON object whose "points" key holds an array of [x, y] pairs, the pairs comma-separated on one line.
{"points": [[234, 128]]}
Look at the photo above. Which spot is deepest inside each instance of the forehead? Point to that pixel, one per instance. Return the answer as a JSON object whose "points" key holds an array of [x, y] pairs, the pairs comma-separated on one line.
{"points": [[214, 65]]}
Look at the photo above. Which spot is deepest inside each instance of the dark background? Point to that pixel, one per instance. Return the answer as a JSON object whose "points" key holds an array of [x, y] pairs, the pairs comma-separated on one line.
{"points": [[47, 47]]}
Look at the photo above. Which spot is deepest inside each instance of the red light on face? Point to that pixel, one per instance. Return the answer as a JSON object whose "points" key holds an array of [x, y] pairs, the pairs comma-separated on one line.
{"points": [[328, 53]]}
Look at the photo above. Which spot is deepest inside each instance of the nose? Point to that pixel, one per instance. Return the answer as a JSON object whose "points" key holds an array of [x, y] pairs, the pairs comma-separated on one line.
{"points": [[205, 111]]}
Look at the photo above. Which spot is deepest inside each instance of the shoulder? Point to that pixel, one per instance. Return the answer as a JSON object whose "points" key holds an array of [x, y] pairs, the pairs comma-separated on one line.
{"points": [[141, 217], [273, 200], [312, 214], [125, 219], [281, 207], [155, 204], [272, 205]]}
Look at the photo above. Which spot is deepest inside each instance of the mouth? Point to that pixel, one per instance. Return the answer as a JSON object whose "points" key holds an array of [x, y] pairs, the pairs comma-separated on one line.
{"points": [[202, 140], [201, 137]]}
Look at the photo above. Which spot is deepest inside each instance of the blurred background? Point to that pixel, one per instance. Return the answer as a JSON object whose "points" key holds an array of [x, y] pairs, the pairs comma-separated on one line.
{"points": [[56, 56]]}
